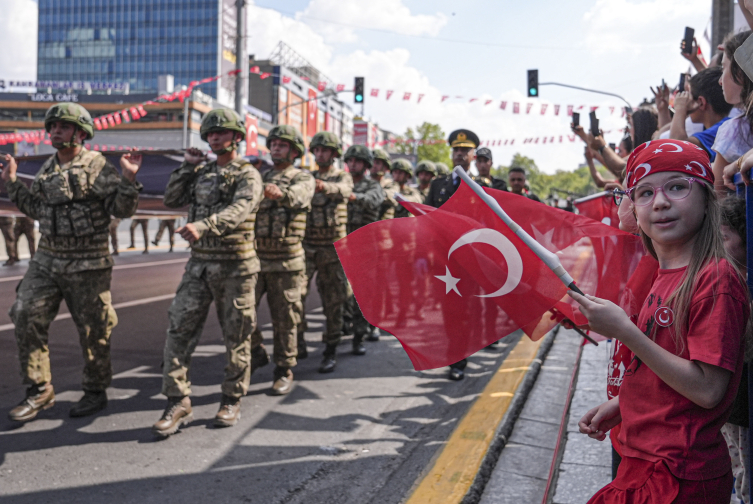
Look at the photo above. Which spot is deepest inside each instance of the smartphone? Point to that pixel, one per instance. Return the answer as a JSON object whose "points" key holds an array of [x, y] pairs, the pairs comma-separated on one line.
{"points": [[594, 124], [689, 34], [681, 87], [613, 146], [576, 119], [628, 109], [663, 84]]}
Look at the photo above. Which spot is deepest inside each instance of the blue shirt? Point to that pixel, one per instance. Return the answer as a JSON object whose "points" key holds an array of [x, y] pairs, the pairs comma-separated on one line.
{"points": [[707, 137]]}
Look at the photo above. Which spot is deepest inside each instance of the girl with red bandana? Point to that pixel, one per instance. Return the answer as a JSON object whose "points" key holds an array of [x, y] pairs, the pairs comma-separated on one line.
{"points": [[688, 345]]}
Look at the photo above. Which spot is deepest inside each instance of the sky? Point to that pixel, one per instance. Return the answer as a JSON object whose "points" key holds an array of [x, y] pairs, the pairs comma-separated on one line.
{"points": [[471, 49]]}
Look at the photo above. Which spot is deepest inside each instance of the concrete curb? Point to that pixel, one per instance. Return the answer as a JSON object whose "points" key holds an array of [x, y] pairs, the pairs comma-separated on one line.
{"points": [[507, 424]]}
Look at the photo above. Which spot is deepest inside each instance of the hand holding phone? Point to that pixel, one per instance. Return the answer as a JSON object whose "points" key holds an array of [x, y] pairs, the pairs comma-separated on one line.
{"points": [[576, 119], [681, 87]]}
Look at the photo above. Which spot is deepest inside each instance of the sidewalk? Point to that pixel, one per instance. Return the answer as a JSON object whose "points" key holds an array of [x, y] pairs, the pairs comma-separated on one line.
{"points": [[523, 470]]}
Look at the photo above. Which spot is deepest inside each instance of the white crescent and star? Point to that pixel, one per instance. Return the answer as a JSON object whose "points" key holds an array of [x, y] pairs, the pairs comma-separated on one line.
{"points": [[690, 168], [499, 242], [678, 148]]}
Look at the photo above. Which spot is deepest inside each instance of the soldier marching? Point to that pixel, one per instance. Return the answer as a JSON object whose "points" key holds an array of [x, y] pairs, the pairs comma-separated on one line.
{"points": [[250, 235]]}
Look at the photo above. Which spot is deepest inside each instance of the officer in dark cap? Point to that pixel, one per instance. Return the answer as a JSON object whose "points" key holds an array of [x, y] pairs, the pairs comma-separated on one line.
{"points": [[484, 167], [464, 143]]}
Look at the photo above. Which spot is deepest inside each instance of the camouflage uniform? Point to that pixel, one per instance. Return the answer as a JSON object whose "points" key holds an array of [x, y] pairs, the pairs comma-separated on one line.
{"points": [[168, 224], [24, 226], [11, 247], [280, 227], [409, 193], [113, 228], [144, 223], [325, 225], [223, 268], [73, 204], [429, 167], [387, 208]]}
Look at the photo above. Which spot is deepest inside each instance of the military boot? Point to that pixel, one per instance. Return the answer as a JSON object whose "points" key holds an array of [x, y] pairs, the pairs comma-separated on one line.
{"points": [[329, 361], [373, 335], [177, 413], [259, 358], [283, 381], [347, 327], [229, 413], [93, 401], [38, 397], [358, 348], [303, 352]]}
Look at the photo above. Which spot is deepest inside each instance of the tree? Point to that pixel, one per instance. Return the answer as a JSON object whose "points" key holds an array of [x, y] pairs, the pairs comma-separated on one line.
{"points": [[578, 181], [432, 144]]}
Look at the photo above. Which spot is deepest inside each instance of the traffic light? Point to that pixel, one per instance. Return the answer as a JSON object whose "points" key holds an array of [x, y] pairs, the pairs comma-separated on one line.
{"points": [[358, 90], [533, 83]]}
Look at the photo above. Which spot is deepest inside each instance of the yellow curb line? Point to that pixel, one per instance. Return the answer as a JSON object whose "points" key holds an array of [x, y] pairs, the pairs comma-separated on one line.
{"points": [[454, 470]]}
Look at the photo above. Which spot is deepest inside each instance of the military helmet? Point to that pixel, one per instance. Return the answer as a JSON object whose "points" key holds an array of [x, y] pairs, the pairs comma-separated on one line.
{"points": [[288, 133], [221, 119], [403, 165], [426, 166], [360, 152], [327, 139], [442, 169], [72, 113], [380, 154]]}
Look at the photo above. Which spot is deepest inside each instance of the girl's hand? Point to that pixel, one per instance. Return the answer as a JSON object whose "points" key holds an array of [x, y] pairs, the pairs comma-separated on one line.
{"points": [[603, 316], [598, 421]]}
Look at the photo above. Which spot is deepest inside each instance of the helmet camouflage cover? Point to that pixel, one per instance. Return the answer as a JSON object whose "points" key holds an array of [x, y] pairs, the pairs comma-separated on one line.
{"points": [[72, 113], [288, 133], [360, 152], [326, 139], [442, 169], [427, 166], [403, 165], [380, 154], [221, 119]]}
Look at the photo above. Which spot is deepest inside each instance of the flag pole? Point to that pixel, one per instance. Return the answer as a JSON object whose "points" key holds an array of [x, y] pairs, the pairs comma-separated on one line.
{"points": [[549, 258]]}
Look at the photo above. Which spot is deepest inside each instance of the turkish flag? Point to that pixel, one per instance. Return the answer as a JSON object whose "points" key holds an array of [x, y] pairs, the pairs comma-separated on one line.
{"points": [[406, 262], [600, 207], [447, 284]]}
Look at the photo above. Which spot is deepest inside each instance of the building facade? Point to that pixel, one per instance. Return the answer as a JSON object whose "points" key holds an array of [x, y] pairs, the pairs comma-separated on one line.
{"points": [[135, 41]]}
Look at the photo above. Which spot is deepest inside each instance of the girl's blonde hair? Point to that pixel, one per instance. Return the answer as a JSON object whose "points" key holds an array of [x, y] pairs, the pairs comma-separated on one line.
{"points": [[707, 249]]}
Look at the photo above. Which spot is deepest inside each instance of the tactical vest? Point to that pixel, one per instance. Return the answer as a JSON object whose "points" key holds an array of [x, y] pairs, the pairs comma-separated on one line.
{"points": [[213, 190], [326, 221], [280, 230], [73, 220], [358, 215]]}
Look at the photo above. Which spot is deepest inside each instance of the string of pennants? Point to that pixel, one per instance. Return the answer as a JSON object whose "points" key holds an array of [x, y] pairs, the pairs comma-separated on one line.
{"points": [[488, 143]]}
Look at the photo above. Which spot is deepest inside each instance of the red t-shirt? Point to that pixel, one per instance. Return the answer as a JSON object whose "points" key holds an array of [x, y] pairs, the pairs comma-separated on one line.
{"points": [[657, 422]]}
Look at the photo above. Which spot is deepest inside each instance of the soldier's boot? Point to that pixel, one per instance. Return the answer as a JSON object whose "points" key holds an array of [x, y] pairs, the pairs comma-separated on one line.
{"points": [[92, 402], [373, 335], [283, 381], [229, 413], [177, 413], [329, 361], [358, 348], [38, 397], [303, 352], [259, 358]]}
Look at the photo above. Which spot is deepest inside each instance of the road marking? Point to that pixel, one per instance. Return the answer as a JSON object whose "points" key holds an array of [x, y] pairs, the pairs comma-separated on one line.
{"points": [[454, 470], [117, 267], [125, 304]]}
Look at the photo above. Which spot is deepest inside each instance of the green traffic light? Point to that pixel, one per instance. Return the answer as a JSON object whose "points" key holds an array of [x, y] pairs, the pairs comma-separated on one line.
{"points": [[532, 91], [359, 98]]}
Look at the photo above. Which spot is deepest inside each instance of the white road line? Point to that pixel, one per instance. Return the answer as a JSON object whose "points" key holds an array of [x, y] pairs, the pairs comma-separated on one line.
{"points": [[117, 267], [125, 304]]}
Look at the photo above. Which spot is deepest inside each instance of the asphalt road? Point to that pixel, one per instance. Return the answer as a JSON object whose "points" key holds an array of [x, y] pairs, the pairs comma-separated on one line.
{"points": [[362, 434]]}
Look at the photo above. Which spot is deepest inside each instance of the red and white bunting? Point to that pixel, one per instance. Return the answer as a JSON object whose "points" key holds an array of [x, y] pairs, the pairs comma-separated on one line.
{"points": [[487, 102], [444, 97], [286, 79], [473, 100], [389, 93], [543, 108], [375, 92], [516, 108], [529, 106], [503, 105], [266, 75], [340, 87], [420, 97], [321, 86], [611, 110], [569, 110], [406, 96], [556, 110]]}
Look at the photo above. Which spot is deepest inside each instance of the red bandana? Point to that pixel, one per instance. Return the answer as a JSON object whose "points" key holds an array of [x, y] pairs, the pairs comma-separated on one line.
{"points": [[668, 155]]}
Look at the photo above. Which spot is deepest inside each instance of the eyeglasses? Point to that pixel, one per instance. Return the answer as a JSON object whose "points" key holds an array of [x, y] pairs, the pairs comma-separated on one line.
{"points": [[617, 196], [674, 189]]}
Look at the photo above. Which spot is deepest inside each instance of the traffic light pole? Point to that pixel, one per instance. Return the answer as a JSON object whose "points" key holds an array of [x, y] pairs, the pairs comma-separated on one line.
{"points": [[585, 89]]}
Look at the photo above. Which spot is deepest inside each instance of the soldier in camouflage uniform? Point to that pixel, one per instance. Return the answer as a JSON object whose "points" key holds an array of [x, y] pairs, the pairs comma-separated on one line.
{"points": [[381, 167], [280, 227], [24, 226], [425, 173], [363, 208], [72, 197], [11, 244], [222, 198], [402, 172], [326, 224]]}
